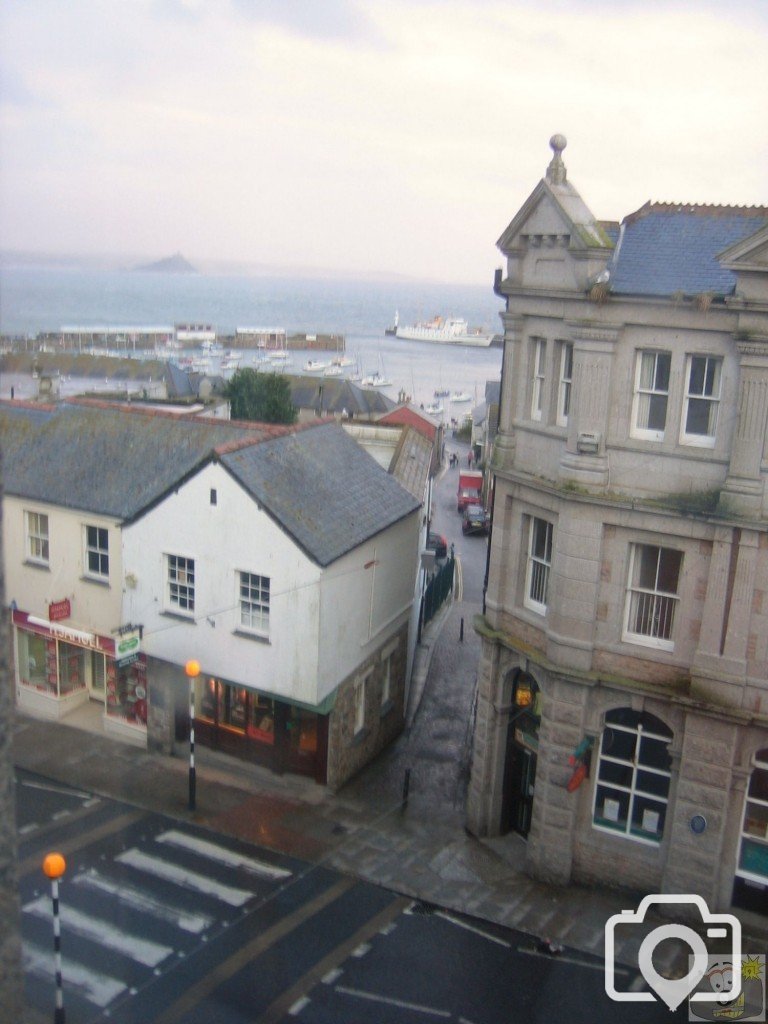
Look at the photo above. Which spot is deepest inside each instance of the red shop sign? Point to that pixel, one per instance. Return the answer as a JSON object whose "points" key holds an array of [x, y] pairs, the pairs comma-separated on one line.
{"points": [[58, 610]]}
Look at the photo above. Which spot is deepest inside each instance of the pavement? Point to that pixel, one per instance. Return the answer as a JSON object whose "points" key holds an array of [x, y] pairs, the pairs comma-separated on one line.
{"points": [[418, 848]]}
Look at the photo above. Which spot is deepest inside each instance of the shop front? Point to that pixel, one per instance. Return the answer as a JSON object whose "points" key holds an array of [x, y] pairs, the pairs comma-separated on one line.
{"points": [[239, 721], [60, 669]]}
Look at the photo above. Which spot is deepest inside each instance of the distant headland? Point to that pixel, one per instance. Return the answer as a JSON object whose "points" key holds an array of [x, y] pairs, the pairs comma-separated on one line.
{"points": [[175, 264]]}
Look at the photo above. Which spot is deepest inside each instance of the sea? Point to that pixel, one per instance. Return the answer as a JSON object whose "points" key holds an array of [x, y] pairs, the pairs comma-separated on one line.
{"points": [[40, 299]]}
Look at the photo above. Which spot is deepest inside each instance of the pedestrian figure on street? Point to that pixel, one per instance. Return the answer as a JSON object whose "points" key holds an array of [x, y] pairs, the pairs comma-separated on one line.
{"points": [[469, 458]]}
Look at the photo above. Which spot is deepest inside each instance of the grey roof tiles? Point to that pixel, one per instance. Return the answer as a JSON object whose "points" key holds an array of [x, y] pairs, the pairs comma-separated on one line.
{"points": [[317, 482]]}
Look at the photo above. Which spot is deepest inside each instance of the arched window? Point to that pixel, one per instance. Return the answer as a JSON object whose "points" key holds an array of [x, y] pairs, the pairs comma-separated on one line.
{"points": [[633, 776], [753, 852]]}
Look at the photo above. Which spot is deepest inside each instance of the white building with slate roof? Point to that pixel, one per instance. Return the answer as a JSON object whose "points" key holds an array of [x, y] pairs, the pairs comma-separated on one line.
{"points": [[282, 559], [622, 722]]}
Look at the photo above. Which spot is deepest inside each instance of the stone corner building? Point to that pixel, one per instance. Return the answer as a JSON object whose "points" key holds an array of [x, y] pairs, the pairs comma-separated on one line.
{"points": [[622, 721]]}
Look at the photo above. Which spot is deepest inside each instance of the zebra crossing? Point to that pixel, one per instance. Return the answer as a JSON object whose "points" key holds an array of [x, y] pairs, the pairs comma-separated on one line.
{"points": [[128, 915]]}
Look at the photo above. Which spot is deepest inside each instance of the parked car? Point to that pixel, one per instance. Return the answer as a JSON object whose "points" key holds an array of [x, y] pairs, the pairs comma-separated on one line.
{"points": [[436, 542], [475, 520]]}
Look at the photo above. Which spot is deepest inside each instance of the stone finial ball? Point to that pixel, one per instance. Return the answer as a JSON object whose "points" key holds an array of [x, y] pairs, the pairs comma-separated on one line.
{"points": [[54, 865], [558, 143]]}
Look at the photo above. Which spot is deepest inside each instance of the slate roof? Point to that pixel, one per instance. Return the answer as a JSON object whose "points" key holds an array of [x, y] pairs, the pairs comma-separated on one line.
{"points": [[323, 488], [326, 491], [100, 459], [337, 395], [666, 248]]}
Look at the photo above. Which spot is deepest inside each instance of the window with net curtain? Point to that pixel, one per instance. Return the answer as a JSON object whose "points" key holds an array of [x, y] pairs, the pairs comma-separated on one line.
{"points": [[651, 395], [702, 400]]}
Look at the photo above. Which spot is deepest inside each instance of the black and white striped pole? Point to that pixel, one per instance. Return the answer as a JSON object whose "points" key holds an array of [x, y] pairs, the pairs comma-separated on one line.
{"points": [[54, 867], [192, 668]]}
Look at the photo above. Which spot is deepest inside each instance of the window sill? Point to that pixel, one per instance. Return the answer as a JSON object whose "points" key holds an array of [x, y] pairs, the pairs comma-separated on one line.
{"points": [[98, 581], [620, 833], [639, 640], [168, 614], [697, 441], [45, 566], [360, 737], [256, 637]]}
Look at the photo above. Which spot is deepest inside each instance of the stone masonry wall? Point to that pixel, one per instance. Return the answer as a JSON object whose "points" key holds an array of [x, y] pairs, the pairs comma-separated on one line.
{"points": [[349, 751]]}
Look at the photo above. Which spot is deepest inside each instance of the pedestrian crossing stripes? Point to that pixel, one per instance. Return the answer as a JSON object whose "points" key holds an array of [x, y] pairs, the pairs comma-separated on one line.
{"points": [[144, 951], [221, 854], [139, 900], [175, 886], [184, 877], [94, 986]]}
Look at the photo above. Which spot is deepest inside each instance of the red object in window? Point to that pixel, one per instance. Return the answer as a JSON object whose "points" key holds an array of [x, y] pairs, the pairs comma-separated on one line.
{"points": [[140, 710]]}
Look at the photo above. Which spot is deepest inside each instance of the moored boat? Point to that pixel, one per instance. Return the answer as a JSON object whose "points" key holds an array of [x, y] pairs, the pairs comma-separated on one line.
{"points": [[376, 380], [445, 331]]}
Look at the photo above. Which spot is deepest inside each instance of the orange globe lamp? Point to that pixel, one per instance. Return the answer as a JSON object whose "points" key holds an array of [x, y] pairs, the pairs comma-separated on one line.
{"points": [[54, 865], [192, 668]]}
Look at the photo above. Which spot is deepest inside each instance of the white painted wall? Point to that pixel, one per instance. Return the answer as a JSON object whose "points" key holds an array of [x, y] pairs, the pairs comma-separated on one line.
{"points": [[365, 598], [96, 606], [223, 539], [322, 622]]}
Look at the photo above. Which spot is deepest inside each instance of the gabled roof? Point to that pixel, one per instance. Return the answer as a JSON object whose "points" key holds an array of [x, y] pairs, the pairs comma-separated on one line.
{"points": [[749, 254], [671, 248], [408, 415], [110, 461], [564, 202], [325, 491], [319, 485], [337, 395]]}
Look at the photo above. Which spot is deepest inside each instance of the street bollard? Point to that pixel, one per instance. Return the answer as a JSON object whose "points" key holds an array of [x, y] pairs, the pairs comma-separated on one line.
{"points": [[461, 631], [406, 786], [192, 668], [54, 867]]}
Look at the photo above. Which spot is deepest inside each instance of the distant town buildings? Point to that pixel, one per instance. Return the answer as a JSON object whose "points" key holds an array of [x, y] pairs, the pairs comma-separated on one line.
{"points": [[622, 719]]}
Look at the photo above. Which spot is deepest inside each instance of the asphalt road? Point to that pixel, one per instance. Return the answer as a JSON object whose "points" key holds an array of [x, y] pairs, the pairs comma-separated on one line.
{"points": [[165, 923]]}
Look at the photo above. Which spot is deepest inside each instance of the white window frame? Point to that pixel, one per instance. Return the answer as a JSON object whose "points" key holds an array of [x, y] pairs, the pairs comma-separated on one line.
{"points": [[254, 597], [359, 699], [634, 790], [37, 537], [754, 805], [101, 554], [538, 565], [180, 585], [653, 603], [539, 376], [565, 386], [646, 393], [713, 365]]}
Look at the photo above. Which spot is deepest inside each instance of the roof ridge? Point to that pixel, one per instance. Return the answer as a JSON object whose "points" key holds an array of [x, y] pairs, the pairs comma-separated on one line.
{"points": [[705, 209]]}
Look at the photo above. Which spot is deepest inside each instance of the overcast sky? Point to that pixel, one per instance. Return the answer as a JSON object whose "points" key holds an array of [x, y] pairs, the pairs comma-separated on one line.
{"points": [[393, 136]]}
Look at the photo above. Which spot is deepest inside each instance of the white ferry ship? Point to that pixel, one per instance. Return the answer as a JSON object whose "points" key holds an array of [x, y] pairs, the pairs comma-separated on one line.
{"points": [[445, 331]]}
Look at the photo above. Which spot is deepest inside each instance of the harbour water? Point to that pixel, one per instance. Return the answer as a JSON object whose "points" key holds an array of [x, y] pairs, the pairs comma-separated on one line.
{"points": [[35, 300]]}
